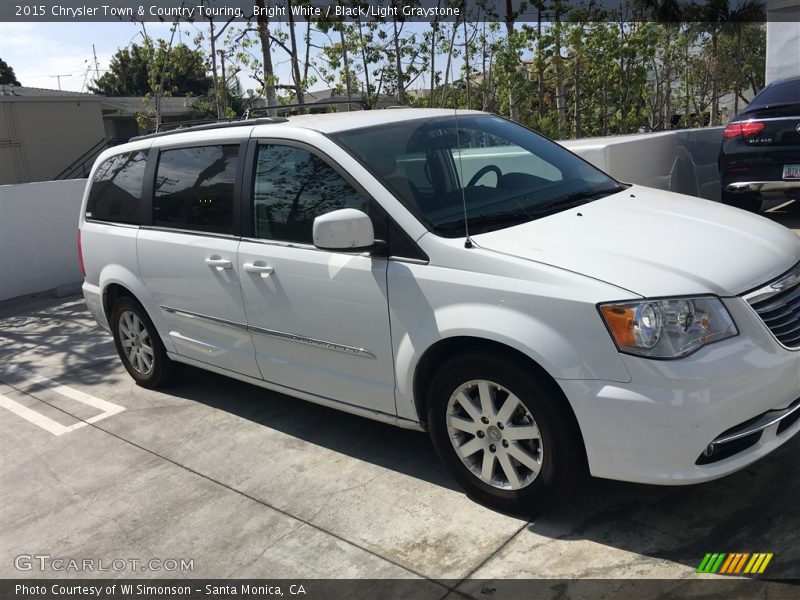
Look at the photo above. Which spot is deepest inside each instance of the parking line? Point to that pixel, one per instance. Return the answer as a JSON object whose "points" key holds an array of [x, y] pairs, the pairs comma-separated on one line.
{"points": [[31, 415], [107, 408]]}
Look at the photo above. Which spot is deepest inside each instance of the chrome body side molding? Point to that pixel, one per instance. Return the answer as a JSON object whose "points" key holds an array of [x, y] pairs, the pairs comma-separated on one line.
{"points": [[299, 339]]}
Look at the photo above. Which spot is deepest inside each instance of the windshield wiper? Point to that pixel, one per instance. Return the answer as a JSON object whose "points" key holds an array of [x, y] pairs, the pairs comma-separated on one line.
{"points": [[488, 219], [517, 217], [576, 198]]}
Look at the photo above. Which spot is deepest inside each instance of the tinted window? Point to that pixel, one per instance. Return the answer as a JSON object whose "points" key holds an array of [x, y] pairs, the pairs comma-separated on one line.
{"points": [[292, 187], [194, 188], [117, 188], [785, 92]]}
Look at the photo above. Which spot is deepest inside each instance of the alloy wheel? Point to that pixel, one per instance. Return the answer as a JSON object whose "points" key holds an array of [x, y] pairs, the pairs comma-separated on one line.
{"points": [[495, 435], [136, 342]]}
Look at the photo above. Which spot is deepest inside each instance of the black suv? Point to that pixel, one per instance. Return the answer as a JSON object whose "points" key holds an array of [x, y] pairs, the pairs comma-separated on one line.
{"points": [[760, 155]]}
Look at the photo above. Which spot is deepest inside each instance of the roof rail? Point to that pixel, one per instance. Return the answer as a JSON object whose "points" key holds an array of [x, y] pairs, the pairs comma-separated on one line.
{"points": [[318, 103], [170, 125], [211, 125]]}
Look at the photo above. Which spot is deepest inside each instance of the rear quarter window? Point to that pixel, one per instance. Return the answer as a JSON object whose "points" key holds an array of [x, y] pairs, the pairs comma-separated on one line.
{"points": [[116, 191]]}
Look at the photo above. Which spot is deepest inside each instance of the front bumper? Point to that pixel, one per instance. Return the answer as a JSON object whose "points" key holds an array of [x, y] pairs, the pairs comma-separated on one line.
{"points": [[657, 428]]}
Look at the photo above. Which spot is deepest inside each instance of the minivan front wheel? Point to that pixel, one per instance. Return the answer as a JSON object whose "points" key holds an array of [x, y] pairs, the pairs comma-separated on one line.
{"points": [[139, 346], [505, 434]]}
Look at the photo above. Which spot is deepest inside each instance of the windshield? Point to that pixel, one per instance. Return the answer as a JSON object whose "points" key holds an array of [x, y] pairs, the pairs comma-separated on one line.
{"points": [[504, 173]]}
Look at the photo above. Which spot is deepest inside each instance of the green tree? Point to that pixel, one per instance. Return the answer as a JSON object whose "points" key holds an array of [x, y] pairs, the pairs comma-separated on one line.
{"points": [[254, 53], [742, 59], [128, 73], [368, 58], [718, 16], [236, 101], [7, 75], [334, 63], [137, 70]]}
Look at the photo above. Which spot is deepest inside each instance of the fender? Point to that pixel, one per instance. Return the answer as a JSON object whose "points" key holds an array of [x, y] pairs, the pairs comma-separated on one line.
{"points": [[562, 357], [117, 274]]}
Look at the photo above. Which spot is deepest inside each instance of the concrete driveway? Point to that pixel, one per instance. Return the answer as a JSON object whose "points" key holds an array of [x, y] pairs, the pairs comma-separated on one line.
{"points": [[248, 483]]}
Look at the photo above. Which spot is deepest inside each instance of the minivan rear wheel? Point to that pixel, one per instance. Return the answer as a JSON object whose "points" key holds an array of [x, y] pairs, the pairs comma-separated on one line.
{"points": [[505, 433], [139, 345]]}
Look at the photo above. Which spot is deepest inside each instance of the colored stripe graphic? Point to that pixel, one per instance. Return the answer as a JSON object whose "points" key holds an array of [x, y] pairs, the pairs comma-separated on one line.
{"points": [[758, 563], [738, 563], [711, 562], [703, 568], [734, 563], [740, 566], [729, 562]]}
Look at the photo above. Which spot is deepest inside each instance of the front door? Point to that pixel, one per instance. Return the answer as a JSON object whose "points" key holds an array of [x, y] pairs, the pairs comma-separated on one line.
{"points": [[318, 319]]}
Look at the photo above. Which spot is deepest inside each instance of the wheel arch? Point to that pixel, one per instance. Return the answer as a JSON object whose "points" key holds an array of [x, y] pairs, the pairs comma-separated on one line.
{"points": [[111, 293], [449, 347], [580, 350], [116, 281]]}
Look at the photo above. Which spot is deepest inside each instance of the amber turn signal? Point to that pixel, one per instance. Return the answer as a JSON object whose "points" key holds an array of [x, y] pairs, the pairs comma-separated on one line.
{"points": [[620, 323]]}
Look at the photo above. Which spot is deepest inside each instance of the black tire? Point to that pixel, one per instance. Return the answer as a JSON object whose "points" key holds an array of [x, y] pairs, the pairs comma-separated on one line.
{"points": [[161, 369], [744, 201], [563, 457]]}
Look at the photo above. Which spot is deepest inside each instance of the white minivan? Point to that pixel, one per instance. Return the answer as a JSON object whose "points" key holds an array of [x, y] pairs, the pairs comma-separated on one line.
{"points": [[460, 274]]}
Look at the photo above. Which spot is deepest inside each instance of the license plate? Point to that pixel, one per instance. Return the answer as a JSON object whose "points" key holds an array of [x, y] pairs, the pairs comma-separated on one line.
{"points": [[791, 171]]}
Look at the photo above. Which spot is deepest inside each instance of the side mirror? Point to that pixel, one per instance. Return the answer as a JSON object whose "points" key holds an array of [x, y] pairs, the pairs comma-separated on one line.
{"points": [[343, 229]]}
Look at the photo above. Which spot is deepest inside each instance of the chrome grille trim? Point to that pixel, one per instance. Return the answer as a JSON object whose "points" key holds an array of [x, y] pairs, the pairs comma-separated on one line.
{"points": [[782, 283], [778, 306]]}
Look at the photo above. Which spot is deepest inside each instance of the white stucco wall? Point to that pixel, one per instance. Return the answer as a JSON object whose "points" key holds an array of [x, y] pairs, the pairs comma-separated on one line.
{"points": [[683, 161], [38, 229], [783, 39]]}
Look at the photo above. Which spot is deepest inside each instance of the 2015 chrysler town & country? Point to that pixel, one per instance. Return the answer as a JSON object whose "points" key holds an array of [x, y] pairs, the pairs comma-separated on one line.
{"points": [[456, 273]]}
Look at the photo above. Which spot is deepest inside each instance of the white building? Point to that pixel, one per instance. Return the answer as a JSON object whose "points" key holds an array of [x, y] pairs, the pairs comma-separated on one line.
{"points": [[783, 39]]}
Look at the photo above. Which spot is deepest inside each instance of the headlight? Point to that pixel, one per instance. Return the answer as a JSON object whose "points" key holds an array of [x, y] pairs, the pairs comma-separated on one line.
{"points": [[667, 328]]}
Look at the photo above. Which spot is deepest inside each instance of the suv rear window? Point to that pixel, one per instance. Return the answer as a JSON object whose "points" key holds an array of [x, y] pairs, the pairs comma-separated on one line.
{"points": [[783, 92], [117, 189], [194, 188]]}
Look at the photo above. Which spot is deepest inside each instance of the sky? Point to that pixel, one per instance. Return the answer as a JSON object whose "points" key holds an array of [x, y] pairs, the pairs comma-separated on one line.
{"points": [[38, 52]]}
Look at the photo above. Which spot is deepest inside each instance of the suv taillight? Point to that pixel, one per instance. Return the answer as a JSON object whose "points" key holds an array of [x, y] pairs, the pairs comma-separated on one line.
{"points": [[745, 128], [80, 255]]}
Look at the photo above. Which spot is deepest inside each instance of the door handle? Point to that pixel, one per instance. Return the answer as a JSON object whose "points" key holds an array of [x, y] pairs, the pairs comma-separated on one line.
{"points": [[264, 270], [220, 263]]}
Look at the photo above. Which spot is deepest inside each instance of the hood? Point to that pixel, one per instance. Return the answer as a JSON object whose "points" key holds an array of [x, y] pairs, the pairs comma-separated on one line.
{"points": [[656, 243]]}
